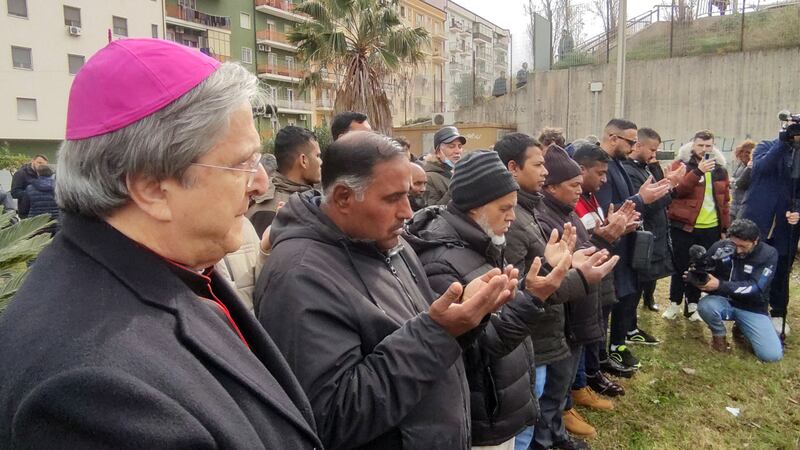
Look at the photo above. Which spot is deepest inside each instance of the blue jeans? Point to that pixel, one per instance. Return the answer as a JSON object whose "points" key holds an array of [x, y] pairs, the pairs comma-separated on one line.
{"points": [[580, 376], [756, 327], [525, 436]]}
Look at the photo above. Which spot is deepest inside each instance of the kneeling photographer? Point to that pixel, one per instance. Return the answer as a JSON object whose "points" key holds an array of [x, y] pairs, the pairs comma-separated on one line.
{"points": [[737, 273]]}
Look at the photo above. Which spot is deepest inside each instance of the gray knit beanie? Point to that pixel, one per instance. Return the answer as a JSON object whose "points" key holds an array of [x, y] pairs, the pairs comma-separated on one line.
{"points": [[479, 178]]}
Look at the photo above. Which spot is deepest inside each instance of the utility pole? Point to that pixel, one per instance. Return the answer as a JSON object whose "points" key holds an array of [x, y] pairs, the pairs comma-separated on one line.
{"points": [[619, 103]]}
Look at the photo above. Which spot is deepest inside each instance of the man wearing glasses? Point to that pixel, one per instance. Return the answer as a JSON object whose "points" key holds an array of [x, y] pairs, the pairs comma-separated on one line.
{"points": [[619, 137]]}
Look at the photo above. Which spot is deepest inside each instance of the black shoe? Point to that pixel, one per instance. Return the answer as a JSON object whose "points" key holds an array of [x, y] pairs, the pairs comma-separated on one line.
{"points": [[602, 385], [624, 357], [612, 367], [571, 444], [641, 337]]}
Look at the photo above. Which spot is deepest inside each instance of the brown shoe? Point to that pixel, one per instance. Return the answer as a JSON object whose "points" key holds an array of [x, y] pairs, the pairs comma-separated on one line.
{"points": [[577, 425], [589, 398], [720, 344]]}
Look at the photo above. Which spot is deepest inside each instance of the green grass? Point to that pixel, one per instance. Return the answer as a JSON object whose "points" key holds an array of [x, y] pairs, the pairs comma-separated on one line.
{"points": [[666, 408]]}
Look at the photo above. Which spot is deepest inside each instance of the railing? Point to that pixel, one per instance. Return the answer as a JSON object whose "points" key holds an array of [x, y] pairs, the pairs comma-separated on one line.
{"points": [[501, 42], [281, 69], [485, 55], [324, 103], [282, 102], [284, 5], [193, 15], [275, 36]]}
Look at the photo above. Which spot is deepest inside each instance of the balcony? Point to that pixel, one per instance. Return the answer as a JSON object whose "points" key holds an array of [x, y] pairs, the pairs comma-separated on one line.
{"points": [[323, 103], [275, 39], [481, 32], [500, 41], [456, 25], [198, 17], [483, 54], [281, 8], [292, 106], [280, 72]]}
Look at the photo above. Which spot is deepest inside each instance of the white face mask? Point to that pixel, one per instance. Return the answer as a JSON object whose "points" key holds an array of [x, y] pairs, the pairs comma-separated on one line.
{"points": [[449, 163]]}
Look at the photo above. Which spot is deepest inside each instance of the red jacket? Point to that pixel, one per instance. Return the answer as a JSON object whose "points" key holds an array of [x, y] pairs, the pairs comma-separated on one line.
{"points": [[690, 191]]}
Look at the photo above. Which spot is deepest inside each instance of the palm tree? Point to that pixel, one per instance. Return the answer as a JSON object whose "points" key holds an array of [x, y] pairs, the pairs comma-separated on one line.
{"points": [[365, 40], [20, 242]]}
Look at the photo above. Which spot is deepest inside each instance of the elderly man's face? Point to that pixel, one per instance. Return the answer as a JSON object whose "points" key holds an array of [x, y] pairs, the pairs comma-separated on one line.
{"points": [[381, 214], [209, 212], [450, 151], [419, 181], [496, 216]]}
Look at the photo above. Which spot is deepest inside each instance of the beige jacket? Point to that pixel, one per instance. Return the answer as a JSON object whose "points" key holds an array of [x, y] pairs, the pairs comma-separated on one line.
{"points": [[243, 266]]}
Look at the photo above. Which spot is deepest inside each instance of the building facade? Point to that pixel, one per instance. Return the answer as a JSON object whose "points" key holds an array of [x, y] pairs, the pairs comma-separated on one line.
{"points": [[477, 55], [43, 44]]}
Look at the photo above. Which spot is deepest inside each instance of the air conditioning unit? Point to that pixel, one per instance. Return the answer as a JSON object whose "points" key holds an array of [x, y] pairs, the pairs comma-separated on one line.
{"points": [[74, 31], [444, 118], [263, 48]]}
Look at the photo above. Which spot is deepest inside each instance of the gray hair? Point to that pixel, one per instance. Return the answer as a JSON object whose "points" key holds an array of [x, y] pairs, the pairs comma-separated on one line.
{"points": [[358, 184], [92, 172]]}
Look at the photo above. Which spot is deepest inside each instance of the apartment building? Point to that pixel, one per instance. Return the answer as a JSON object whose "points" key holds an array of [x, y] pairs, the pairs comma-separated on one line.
{"points": [[475, 45], [43, 44]]}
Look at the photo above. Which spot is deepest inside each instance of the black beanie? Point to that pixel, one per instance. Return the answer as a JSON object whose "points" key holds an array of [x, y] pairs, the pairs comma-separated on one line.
{"points": [[560, 167], [479, 178]]}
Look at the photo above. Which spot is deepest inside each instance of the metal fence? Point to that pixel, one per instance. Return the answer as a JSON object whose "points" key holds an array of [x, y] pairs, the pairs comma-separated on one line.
{"points": [[708, 27]]}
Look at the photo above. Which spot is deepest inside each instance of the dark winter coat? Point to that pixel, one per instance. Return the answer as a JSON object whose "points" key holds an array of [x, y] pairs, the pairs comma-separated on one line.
{"points": [[19, 182], [773, 192], [352, 322], [262, 213], [453, 248], [107, 345], [42, 199], [654, 220], [687, 199], [746, 281], [584, 320], [439, 175], [524, 241], [616, 190]]}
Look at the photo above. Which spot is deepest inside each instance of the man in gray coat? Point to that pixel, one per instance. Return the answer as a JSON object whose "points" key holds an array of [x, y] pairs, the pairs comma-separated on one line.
{"points": [[348, 302], [447, 147]]}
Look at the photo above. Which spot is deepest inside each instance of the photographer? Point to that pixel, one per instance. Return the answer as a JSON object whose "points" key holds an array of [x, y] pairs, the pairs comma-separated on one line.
{"points": [[744, 297], [771, 202]]}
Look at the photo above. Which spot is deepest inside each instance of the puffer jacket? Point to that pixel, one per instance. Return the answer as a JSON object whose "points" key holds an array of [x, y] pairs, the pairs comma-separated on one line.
{"points": [[524, 241], [687, 199], [262, 212], [352, 322], [584, 320], [438, 191], [41, 197], [453, 248], [242, 267]]}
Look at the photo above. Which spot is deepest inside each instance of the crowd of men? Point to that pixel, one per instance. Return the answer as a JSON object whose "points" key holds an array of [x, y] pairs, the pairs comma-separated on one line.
{"points": [[372, 300]]}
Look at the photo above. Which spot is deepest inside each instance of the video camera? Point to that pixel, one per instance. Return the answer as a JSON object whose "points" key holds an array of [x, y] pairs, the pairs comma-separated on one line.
{"points": [[790, 127], [701, 263]]}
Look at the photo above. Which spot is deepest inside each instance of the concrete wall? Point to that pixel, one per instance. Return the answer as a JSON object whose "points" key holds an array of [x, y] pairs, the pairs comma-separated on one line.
{"points": [[736, 95], [479, 136]]}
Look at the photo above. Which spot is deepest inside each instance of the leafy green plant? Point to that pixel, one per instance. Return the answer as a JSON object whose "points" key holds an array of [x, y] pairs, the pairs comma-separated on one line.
{"points": [[324, 138], [20, 243], [11, 161]]}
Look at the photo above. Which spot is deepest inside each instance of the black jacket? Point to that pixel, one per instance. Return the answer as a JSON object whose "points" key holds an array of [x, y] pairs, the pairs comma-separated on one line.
{"points": [[746, 281], [108, 345], [526, 240], [19, 182], [352, 322], [654, 220], [453, 248], [584, 320], [42, 200]]}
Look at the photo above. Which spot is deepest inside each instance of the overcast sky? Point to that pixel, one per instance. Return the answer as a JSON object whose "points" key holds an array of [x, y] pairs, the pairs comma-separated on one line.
{"points": [[511, 15]]}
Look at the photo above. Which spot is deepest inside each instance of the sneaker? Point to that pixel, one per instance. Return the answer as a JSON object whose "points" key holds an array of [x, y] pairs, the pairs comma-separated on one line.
{"points": [[571, 444], [691, 310], [777, 322], [585, 396], [624, 356], [641, 337], [611, 366], [672, 311], [577, 425], [602, 385]]}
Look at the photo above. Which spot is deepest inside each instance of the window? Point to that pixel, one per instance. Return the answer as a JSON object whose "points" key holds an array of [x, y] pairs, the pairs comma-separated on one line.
{"points": [[154, 31], [188, 3], [244, 20], [72, 16], [403, 12], [75, 63], [291, 122], [18, 8], [120, 25], [21, 58], [26, 109], [420, 20], [247, 55], [290, 95]]}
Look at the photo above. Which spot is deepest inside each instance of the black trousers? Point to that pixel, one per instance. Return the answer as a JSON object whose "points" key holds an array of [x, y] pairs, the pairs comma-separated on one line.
{"points": [[681, 241], [623, 316], [646, 291], [779, 290]]}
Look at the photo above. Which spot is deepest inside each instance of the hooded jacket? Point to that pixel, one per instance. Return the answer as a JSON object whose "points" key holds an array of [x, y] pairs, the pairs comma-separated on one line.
{"points": [[584, 320], [453, 248], [687, 199], [526, 240], [41, 197], [263, 211], [439, 176], [352, 322]]}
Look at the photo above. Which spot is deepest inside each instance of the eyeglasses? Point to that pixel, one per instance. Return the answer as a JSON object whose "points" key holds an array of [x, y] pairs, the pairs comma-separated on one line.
{"points": [[251, 167], [630, 142]]}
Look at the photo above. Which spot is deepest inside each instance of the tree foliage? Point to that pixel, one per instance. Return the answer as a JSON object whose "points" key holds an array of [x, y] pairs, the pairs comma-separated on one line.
{"points": [[363, 42], [11, 161], [20, 243]]}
